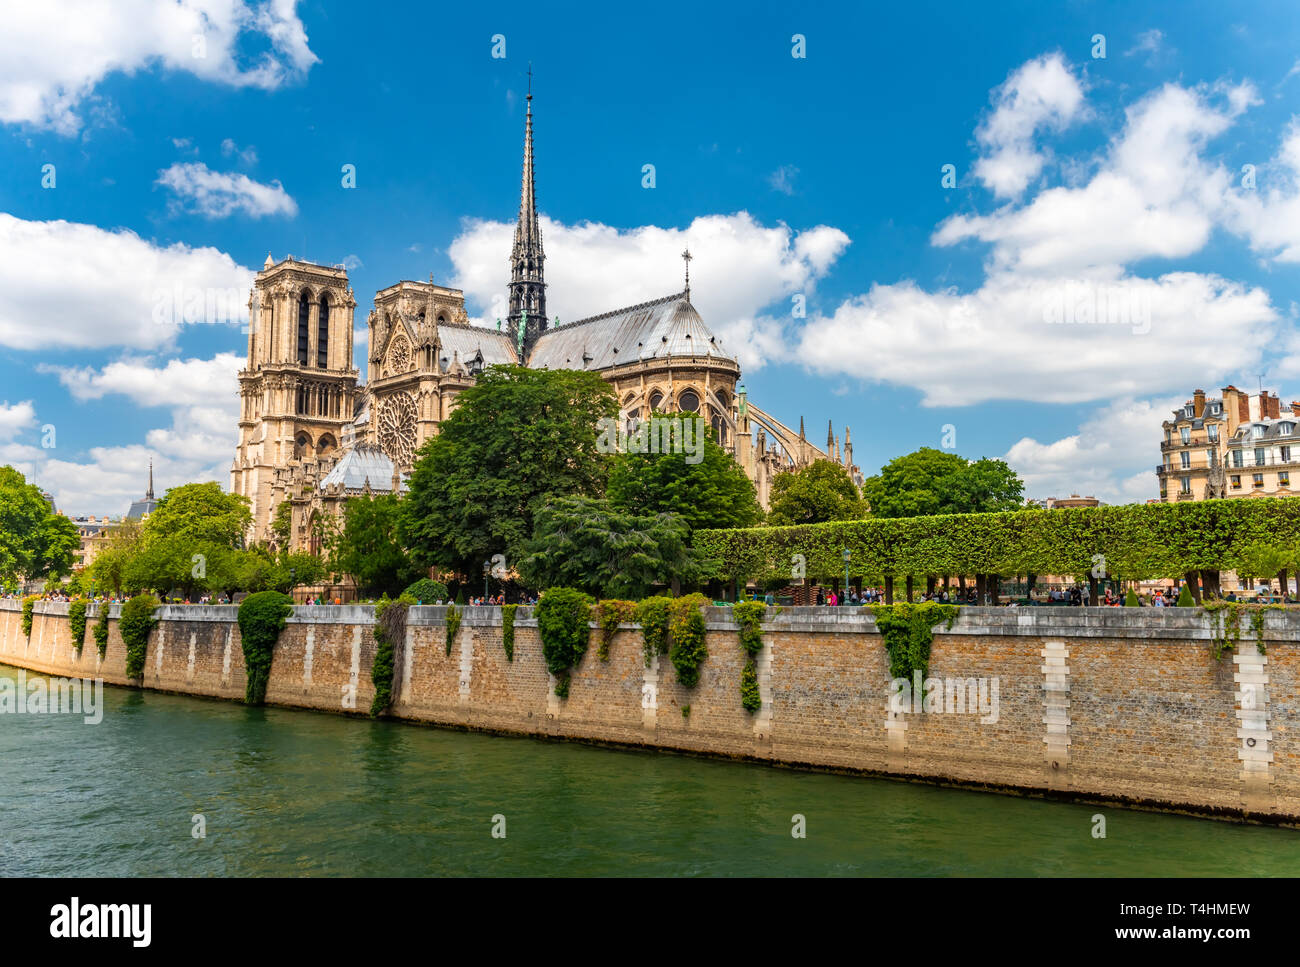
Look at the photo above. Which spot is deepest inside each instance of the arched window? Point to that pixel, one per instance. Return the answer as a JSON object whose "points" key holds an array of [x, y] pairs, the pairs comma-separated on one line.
{"points": [[323, 334], [689, 401], [656, 400], [304, 446], [304, 313]]}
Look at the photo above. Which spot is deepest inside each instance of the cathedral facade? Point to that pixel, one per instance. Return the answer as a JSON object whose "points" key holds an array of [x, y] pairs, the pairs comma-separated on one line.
{"points": [[311, 435]]}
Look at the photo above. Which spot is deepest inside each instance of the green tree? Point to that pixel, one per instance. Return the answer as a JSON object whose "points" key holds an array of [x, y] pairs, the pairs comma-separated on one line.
{"points": [[368, 547], [517, 436], [713, 491], [931, 481], [201, 512], [35, 542], [583, 543], [814, 494], [282, 523]]}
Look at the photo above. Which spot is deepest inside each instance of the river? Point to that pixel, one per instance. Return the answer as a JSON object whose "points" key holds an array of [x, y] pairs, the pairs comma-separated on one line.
{"points": [[283, 792]]}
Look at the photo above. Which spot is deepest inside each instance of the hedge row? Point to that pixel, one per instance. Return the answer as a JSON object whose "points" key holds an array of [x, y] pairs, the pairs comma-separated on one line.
{"points": [[1132, 541]]}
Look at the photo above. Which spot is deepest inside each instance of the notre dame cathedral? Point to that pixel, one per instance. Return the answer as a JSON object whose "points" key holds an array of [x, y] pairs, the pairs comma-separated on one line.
{"points": [[311, 435]]}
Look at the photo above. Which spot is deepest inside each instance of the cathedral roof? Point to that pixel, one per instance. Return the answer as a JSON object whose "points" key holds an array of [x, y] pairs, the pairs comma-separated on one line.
{"points": [[652, 330], [469, 341], [360, 465]]}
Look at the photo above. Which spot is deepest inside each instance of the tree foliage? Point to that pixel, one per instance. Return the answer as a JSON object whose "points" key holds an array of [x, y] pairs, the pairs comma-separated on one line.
{"points": [[929, 482], [584, 543], [516, 438], [814, 494], [261, 619], [368, 547], [35, 542], [563, 616]]}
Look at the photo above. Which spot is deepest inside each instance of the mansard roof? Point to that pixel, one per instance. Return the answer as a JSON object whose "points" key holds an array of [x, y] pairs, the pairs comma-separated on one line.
{"points": [[659, 329]]}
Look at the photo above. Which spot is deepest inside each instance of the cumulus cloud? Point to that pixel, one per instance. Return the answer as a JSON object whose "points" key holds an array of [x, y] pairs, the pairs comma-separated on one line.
{"points": [[64, 284], [740, 269], [1043, 93], [1099, 459], [197, 445], [220, 194], [1267, 213], [16, 417], [54, 53]]}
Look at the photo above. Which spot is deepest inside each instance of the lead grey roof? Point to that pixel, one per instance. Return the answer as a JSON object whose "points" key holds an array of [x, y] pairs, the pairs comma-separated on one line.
{"points": [[469, 341], [361, 464], [658, 329]]}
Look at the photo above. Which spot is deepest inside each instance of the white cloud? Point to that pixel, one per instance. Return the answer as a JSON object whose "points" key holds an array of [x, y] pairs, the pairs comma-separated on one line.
{"points": [[54, 53], [1269, 214], [14, 418], [219, 194], [782, 179], [246, 155], [198, 445], [1003, 341], [1099, 459], [739, 269], [64, 284], [1040, 94]]}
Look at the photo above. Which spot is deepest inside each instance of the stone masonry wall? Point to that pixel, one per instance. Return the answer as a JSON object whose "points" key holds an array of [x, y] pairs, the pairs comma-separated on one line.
{"points": [[1097, 703]]}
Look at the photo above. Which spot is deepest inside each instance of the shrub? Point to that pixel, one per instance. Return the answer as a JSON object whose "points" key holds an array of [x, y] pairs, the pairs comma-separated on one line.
{"points": [[134, 625], [562, 622], [261, 619], [453, 625], [1131, 599], [426, 591], [77, 623], [686, 628], [653, 614], [101, 631], [508, 630], [390, 628], [1185, 598], [749, 615], [29, 605], [609, 614]]}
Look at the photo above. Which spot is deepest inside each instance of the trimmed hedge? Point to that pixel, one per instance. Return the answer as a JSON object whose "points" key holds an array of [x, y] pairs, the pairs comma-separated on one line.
{"points": [[426, 591], [1134, 541]]}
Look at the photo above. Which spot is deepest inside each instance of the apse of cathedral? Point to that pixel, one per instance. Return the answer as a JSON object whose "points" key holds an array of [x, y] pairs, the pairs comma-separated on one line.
{"points": [[312, 435]]}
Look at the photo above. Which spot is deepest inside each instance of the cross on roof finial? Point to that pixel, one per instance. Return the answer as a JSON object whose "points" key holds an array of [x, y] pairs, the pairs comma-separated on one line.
{"points": [[686, 257], [530, 80]]}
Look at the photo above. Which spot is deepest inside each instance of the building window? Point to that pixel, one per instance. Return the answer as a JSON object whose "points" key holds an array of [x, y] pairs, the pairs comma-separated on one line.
{"points": [[1286, 428], [304, 312], [1186, 432], [1186, 459], [656, 400], [1212, 431], [1187, 484], [1236, 481], [1286, 454], [1259, 456], [1258, 431], [1257, 480], [1284, 478], [323, 335], [1237, 458], [689, 401], [1210, 458]]}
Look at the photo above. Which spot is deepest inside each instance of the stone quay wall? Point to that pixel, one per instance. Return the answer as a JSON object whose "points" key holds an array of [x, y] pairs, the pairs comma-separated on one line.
{"points": [[1099, 704]]}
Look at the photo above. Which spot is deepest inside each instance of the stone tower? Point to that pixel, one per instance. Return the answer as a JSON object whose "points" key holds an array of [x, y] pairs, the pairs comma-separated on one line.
{"points": [[299, 389], [527, 278]]}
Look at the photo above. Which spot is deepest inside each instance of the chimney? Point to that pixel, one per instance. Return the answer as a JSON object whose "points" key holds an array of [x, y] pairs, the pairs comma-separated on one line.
{"points": [[1274, 406], [1295, 407], [1198, 403]]}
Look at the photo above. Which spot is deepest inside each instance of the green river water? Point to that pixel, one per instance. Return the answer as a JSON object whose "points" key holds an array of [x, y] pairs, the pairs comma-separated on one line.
{"points": [[292, 793]]}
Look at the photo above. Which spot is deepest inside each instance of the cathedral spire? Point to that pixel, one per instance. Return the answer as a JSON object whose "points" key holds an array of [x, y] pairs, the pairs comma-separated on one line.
{"points": [[527, 318]]}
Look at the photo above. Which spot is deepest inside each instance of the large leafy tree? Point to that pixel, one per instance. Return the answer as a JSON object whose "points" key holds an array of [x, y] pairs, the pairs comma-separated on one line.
{"points": [[583, 543], [814, 494], [932, 481], [368, 546], [711, 491], [517, 437], [35, 542]]}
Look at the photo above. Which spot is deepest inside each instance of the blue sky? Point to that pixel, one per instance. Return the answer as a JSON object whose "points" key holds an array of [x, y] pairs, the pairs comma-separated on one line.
{"points": [[1080, 181]]}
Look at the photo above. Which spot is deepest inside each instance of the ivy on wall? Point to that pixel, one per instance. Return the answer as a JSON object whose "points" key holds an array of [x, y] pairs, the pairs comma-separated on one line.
{"points": [[453, 624], [749, 616], [134, 624], [609, 614], [563, 623], [908, 632], [508, 630], [1225, 624], [686, 630], [101, 631], [261, 619], [77, 623], [653, 614], [29, 607], [390, 628]]}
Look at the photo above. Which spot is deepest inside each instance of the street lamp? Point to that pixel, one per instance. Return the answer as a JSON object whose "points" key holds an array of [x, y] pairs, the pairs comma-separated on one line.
{"points": [[846, 574], [487, 571]]}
